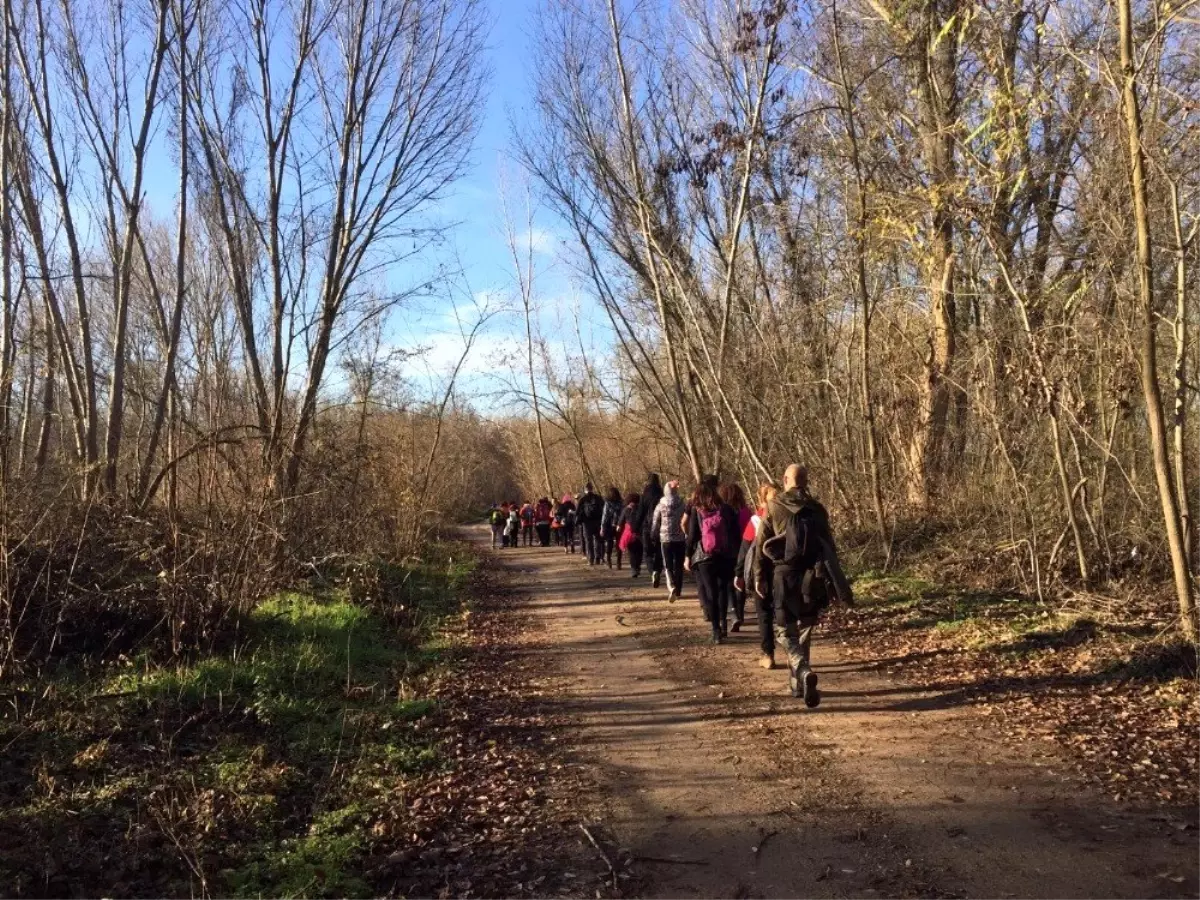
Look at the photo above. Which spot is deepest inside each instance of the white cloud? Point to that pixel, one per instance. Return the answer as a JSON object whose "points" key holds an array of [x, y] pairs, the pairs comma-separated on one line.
{"points": [[543, 241]]}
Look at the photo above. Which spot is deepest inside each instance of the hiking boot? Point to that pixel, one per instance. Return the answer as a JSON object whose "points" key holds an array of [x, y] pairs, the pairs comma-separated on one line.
{"points": [[718, 638], [812, 697], [655, 580], [672, 596], [736, 626], [767, 661]]}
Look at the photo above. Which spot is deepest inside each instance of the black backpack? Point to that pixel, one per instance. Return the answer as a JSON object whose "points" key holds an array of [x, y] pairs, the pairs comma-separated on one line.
{"points": [[590, 508], [800, 546]]}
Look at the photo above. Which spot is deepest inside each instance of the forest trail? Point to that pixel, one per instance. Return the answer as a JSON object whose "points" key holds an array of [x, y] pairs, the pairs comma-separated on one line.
{"points": [[716, 783]]}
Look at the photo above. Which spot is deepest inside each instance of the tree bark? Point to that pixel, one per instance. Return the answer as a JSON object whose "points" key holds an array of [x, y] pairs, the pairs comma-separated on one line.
{"points": [[1148, 355]]}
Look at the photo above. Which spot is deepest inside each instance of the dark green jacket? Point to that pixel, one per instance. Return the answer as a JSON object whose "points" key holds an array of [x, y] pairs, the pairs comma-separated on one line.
{"points": [[780, 512]]}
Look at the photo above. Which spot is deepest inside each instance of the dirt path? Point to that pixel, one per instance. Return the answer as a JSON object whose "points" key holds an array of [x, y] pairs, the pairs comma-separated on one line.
{"points": [[719, 784]]}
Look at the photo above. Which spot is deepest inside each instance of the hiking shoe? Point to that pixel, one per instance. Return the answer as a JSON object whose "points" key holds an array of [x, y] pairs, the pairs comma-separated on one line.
{"points": [[812, 697], [766, 661], [655, 580], [736, 626], [672, 596], [718, 638]]}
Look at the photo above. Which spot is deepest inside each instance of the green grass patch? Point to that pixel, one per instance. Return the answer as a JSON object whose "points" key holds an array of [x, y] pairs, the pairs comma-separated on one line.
{"points": [[253, 772]]}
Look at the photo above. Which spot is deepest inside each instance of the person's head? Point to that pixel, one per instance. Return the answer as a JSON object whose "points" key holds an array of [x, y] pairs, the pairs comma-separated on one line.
{"points": [[587, 488], [632, 498], [652, 480], [731, 492], [672, 488], [566, 498], [767, 492], [795, 476], [613, 495], [707, 495]]}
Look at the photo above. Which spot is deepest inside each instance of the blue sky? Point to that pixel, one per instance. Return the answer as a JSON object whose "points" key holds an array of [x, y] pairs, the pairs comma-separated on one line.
{"points": [[476, 208]]}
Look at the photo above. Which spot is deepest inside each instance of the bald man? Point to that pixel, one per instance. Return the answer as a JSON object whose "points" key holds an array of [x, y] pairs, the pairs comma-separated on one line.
{"points": [[794, 551]]}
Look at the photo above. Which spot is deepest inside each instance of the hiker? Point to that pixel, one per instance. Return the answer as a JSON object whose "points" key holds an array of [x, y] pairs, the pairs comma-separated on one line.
{"points": [[712, 540], [565, 514], [643, 525], [542, 515], [591, 514], [735, 498], [667, 525], [629, 536], [764, 606], [497, 521], [512, 531], [795, 552], [527, 524], [505, 507], [608, 527]]}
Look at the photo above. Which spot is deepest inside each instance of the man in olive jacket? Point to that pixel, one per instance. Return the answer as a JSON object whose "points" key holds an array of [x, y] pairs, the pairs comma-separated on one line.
{"points": [[801, 572]]}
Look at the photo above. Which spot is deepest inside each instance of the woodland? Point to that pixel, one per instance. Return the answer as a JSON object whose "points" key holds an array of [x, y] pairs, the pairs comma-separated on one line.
{"points": [[943, 252]]}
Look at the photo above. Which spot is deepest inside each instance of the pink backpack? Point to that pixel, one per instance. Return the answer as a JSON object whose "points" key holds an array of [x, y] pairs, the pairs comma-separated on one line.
{"points": [[714, 532]]}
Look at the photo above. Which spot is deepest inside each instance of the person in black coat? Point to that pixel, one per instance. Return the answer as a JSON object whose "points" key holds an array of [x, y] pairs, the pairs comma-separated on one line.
{"points": [[712, 562], [651, 494]]}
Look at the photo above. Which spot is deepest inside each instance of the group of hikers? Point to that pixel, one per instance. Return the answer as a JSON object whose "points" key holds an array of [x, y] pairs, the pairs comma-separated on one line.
{"points": [[780, 552]]}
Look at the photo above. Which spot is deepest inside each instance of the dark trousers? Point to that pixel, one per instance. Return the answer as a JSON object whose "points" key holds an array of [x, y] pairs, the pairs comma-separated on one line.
{"points": [[543, 533], [635, 556], [737, 600], [592, 548], [568, 537], [527, 533], [610, 547], [673, 553], [654, 556], [765, 607], [794, 621], [713, 583]]}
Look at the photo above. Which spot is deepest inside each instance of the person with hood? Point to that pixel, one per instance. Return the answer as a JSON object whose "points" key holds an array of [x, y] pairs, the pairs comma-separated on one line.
{"points": [[542, 514], [591, 516], [795, 552], [667, 524], [712, 540], [643, 524], [566, 517], [608, 527], [630, 535]]}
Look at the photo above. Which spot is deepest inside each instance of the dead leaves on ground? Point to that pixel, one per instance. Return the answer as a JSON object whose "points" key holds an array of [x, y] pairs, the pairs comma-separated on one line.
{"points": [[1122, 712]]}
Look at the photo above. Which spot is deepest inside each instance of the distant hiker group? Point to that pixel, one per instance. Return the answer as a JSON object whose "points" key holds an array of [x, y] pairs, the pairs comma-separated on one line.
{"points": [[781, 553]]}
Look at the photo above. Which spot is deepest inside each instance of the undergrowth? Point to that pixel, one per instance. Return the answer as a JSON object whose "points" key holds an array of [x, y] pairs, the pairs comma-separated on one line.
{"points": [[256, 770]]}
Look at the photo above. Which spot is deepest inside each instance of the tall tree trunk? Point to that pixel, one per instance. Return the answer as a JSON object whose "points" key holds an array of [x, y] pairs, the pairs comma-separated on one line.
{"points": [[644, 226], [860, 277], [1180, 378], [174, 326], [1149, 349], [937, 89]]}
